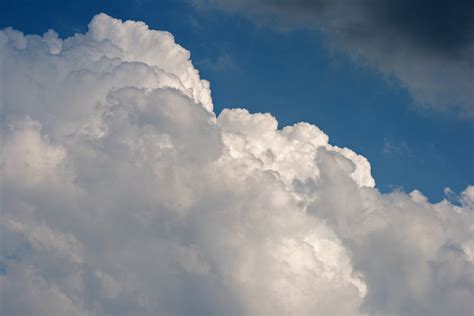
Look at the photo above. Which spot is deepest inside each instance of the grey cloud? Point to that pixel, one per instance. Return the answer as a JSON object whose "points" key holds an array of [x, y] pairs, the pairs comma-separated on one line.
{"points": [[427, 45]]}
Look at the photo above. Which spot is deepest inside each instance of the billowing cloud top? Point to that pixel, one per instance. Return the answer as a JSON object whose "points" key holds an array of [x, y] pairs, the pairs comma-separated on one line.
{"points": [[123, 193]]}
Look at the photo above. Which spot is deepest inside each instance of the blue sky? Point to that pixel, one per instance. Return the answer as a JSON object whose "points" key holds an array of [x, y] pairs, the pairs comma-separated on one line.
{"points": [[296, 76]]}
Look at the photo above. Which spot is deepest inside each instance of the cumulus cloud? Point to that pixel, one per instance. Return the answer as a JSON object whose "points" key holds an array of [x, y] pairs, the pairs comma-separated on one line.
{"points": [[427, 46], [123, 193]]}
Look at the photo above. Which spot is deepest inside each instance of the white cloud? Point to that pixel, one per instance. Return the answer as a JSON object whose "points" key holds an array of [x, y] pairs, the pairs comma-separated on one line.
{"points": [[122, 192]]}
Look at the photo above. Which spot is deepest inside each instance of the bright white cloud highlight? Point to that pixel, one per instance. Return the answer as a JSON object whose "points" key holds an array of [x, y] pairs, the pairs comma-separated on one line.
{"points": [[123, 193]]}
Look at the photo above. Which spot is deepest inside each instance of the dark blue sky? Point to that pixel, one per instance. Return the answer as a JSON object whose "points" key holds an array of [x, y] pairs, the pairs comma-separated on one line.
{"points": [[296, 76]]}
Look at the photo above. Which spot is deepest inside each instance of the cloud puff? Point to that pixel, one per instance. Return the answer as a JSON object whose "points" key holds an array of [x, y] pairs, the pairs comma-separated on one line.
{"points": [[427, 46], [123, 193]]}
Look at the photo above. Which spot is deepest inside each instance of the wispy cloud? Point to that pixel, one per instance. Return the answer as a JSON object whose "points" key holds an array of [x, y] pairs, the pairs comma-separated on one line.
{"points": [[391, 147], [427, 46], [223, 62]]}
